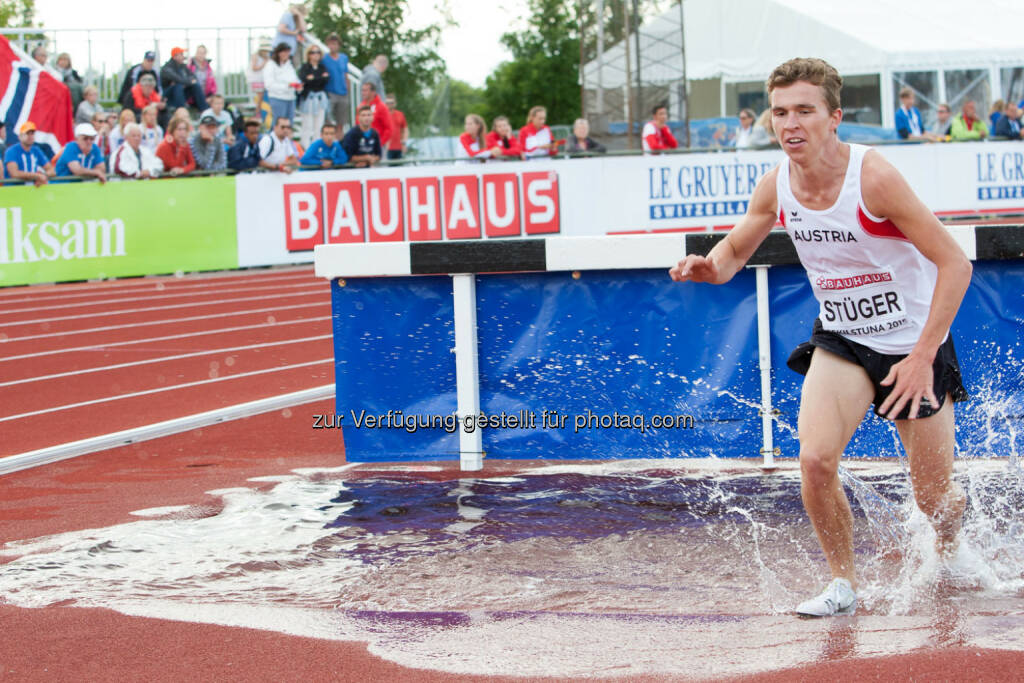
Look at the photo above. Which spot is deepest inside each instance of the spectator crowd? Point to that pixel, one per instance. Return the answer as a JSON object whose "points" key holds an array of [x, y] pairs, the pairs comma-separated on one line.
{"points": [[297, 83]]}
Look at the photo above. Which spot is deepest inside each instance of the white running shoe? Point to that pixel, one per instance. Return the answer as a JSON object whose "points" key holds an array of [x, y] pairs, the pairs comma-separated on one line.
{"points": [[838, 598]]}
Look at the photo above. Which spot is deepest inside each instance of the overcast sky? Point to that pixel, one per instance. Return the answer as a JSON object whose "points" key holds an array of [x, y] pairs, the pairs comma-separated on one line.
{"points": [[471, 49]]}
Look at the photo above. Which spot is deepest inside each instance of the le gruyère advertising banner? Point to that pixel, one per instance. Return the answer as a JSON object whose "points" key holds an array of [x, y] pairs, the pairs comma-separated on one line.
{"points": [[282, 217]]}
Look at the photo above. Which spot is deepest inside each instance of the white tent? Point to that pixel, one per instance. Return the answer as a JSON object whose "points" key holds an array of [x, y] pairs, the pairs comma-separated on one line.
{"points": [[743, 40]]}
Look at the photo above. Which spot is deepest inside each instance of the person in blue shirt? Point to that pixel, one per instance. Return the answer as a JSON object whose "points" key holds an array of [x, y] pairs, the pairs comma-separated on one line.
{"points": [[244, 155], [336, 62], [27, 161], [82, 157], [1008, 125], [909, 124], [362, 143], [325, 152]]}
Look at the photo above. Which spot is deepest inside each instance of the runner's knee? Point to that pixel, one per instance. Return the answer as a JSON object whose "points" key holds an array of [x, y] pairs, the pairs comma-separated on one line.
{"points": [[818, 467]]}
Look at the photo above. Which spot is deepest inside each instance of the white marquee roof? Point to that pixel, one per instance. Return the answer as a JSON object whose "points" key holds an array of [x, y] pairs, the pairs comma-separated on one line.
{"points": [[745, 39]]}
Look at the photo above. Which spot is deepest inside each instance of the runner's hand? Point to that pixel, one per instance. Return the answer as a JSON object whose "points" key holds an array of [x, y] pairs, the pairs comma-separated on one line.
{"points": [[694, 268], [912, 380]]}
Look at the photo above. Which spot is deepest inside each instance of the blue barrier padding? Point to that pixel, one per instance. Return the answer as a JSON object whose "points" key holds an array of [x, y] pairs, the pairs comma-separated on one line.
{"points": [[634, 343], [393, 341], [631, 342]]}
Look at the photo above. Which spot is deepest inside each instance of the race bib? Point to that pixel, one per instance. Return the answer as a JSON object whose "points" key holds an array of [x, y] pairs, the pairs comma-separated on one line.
{"points": [[860, 304]]}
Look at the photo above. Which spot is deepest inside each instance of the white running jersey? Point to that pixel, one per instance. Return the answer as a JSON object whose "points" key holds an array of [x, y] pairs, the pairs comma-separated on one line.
{"points": [[872, 284]]}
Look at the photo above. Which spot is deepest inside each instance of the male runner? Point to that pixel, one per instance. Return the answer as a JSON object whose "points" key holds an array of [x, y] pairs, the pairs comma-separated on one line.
{"points": [[889, 280]]}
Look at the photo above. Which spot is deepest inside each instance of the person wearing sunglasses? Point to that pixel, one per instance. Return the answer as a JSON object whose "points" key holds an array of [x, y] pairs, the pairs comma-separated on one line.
{"points": [[82, 157], [278, 148], [27, 161], [313, 101]]}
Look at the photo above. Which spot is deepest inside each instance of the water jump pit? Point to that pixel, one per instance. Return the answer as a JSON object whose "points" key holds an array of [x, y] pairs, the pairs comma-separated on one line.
{"points": [[686, 568]]}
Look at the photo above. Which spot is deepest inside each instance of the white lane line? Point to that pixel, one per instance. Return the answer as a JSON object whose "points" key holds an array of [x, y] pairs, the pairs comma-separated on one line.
{"points": [[44, 456], [318, 291], [165, 321], [162, 295], [183, 335], [75, 290], [163, 359], [173, 387]]}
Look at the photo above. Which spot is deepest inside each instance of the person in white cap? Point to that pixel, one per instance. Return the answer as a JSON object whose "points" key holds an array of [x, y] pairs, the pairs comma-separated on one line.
{"points": [[82, 157]]}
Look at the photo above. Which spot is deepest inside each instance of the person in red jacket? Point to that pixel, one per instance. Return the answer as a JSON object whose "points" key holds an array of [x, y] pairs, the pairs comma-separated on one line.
{"points": [[472, 143], [176, 152], [503, 138], [656, 136], [144, 93], [381, 115], [535, 137]]}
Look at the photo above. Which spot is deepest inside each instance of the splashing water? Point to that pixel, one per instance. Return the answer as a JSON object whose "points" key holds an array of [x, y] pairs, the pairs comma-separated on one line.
{"points": [[669, 560]]}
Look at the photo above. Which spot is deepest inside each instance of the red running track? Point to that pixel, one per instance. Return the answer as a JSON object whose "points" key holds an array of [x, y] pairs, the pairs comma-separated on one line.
{"points": [[87, 359]]}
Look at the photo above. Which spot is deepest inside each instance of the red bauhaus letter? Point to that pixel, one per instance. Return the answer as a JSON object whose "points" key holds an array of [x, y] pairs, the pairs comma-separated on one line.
{"points": [[501, 205], [345, 212], [462, 207], [540, 199], [384, 210], [303, 216], [423, 196]]}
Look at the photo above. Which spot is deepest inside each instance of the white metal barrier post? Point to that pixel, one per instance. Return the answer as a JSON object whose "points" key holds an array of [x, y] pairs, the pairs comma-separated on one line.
{"points": [[764, 354], [467, 374]]}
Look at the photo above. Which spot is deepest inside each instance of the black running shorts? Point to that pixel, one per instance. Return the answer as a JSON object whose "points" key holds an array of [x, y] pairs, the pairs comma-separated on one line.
{"points": [[946, 368]]}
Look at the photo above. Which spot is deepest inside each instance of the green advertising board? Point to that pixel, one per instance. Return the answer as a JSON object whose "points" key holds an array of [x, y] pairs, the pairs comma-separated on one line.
{"points": [[84, 231]]}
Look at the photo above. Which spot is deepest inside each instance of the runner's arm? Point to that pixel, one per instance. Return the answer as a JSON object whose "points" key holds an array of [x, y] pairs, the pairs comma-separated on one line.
{"points": [[887, 194], [740, 243]]}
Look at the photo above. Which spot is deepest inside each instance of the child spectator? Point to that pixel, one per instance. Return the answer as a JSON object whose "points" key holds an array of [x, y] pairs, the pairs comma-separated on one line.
{"points": [[502, 138], [152, 133], [126, 117], [175, 153], [27, 161], [399, 130], [254, 73], [336, 62], [313, 97], [132, 159], [362, 143], [200, 66], [81, 157], [535, 137], [225, 121], [325, 152], [89, 106], [656, 135], [473, 139]]}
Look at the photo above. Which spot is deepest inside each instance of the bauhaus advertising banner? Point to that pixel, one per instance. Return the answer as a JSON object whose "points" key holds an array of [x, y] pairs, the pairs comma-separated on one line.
{"points": [[81, 231], [282, 217]]}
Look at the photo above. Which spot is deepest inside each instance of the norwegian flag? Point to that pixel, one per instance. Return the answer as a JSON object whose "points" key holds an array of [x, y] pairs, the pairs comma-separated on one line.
{"points": [[30, 93]]}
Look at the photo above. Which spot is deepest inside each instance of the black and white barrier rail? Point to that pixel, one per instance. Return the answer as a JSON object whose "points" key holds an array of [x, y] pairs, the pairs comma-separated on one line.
{"points": [[464, 261]]}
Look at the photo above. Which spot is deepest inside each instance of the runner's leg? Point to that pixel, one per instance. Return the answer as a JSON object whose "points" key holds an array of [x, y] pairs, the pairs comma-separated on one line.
{"points": [[930, 443], [836, 395]]}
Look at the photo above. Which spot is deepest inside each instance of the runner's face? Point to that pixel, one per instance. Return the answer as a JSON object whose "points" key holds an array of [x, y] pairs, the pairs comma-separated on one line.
{"points": [[801, 119]]}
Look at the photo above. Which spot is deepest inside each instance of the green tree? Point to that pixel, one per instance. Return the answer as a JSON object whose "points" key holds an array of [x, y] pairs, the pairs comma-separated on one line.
{"points": [[375, 27], [17, 13], [544, 69]]}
